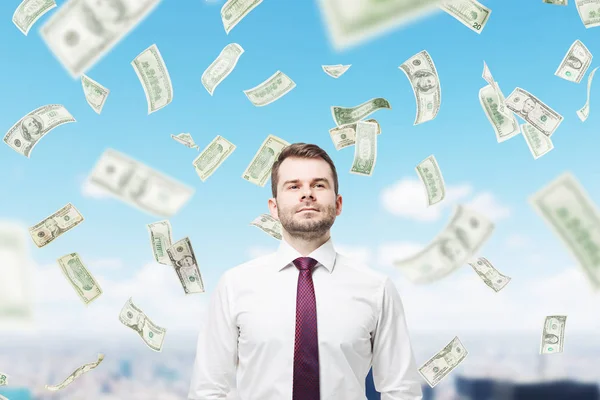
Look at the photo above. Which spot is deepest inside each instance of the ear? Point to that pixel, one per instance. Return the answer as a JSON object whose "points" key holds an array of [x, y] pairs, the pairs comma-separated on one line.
{"points": [[272, 203], [338, 205]]}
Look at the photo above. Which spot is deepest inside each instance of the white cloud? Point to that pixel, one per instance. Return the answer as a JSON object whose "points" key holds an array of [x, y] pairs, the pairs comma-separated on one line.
{"points": [[517, 241], [390, 252], [155, 288], [88, 189], [463, 303], [107, 264], [535, 259], [459, 303], [486, 204], [407, 198]]}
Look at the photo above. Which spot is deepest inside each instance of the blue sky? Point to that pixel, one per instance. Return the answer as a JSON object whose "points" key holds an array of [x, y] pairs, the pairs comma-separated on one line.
{"points": [[523, 43]]}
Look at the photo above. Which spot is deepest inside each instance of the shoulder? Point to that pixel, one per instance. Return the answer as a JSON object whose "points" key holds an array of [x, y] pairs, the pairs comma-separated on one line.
{"points": [[249, 268], [362, 269]]}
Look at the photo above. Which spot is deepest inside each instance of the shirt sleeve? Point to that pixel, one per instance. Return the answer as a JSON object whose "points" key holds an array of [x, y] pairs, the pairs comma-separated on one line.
{"points": [[395, 373], [214, 372]]}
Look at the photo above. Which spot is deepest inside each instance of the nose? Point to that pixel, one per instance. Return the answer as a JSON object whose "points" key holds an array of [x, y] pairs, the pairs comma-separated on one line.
{"points": [[307, 192]]}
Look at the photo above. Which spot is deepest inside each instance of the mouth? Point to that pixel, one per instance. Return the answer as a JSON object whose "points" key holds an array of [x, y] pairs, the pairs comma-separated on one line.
{"points": [[307, 209]]}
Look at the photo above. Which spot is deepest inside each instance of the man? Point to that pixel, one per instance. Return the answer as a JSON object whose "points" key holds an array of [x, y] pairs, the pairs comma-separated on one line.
{"points": [[304, 322]]}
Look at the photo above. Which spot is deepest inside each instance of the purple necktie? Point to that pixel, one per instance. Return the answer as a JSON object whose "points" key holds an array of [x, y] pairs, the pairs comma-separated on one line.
{"points": [[306, 347]]}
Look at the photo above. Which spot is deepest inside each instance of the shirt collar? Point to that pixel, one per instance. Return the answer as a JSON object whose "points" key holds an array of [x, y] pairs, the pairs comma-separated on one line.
{"points": [[325, 255]]}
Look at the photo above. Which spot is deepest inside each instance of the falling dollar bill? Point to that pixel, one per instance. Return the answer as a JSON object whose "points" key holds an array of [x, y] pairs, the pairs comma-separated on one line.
{"points": [[489, 78], [588, 12], [269, 225], [275, 87], [365, 150], [233, 11], [17, 294], [335, 71], [538, 143], [160, 240], [556, 2], [81, 32], [423, 77], [76, 374], [532, 110], [431, 176], [3, 379], [139, 185], [349, 115], [259, 169], [184, 261], [350, 22], [212, 157], [152, 72], [219, 69], [27, 132], [55, 225], [29, 11], [186, 140], [133, 317], [470, 13], [463, 236], [504, 127], [489, 274], [569, 211], [86, 287], [95, 93], [584, 112], [345, 135], [441, 364], [553, 335], [575, 63]]}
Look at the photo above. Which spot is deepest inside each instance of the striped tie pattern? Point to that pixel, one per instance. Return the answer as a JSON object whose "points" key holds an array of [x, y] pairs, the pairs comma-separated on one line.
{"points": [[306, 346]]}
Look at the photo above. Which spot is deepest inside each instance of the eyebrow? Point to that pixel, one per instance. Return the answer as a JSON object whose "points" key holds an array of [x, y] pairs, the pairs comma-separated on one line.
{"points": [[313, 181]]}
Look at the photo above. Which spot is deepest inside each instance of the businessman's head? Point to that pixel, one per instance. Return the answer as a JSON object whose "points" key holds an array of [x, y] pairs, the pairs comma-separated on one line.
{"points": [[304, 177]]}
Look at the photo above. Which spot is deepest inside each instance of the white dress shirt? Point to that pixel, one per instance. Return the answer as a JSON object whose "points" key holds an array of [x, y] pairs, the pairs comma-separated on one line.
{"points": [[247, 341]]}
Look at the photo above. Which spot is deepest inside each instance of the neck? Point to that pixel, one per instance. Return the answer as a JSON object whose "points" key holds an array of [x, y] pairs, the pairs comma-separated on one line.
{"points": [[303, 246]]}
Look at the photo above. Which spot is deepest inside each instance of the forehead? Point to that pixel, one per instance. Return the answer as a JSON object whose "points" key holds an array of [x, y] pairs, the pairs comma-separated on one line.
{"points": [[304, 169]]}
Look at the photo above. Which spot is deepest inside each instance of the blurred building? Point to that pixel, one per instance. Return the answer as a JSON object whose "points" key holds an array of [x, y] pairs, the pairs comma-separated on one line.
{"points": [[125, 369], [16, 393], [105, 388], [489, 389], [166, 373]]}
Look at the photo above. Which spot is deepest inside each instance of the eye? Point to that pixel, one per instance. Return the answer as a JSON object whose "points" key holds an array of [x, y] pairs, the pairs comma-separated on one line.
{"points": [[293, 186], [320, 184]]}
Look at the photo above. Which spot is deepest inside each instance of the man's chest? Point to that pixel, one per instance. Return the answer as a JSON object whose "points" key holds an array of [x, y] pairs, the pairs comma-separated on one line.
{"points": [[346, 315]]}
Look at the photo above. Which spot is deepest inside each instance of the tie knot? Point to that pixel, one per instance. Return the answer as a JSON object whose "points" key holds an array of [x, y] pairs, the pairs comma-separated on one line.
{"points": [[304, 263]]}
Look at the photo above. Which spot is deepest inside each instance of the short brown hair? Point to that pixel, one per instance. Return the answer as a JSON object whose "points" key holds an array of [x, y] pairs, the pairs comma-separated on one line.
{"points": [[301, 150]]}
